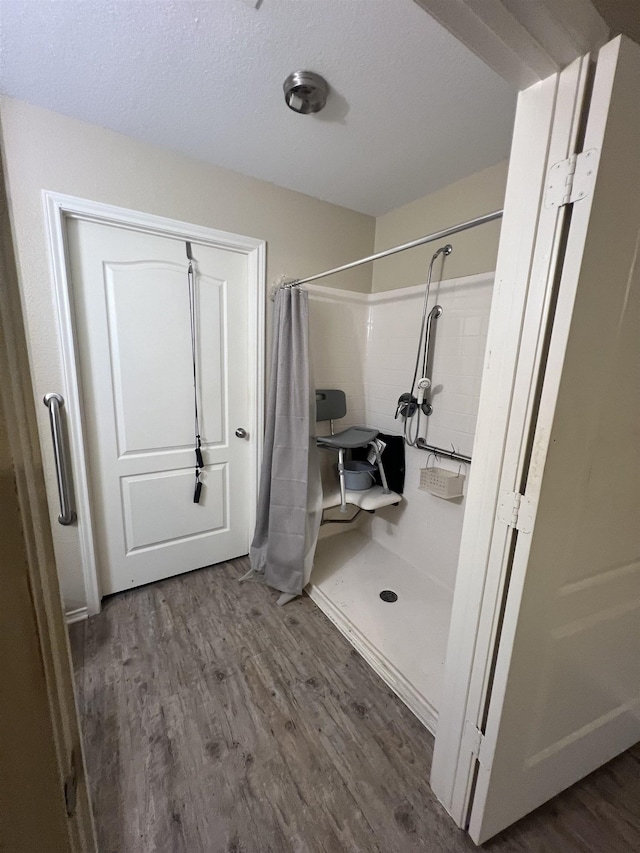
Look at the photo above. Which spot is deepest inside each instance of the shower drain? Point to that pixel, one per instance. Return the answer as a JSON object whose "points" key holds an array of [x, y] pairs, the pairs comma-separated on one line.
{"points": [[388, 595]]}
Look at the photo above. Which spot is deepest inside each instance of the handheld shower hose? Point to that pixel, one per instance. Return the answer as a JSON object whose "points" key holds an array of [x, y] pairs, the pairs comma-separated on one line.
{"points": [[413, 402]]}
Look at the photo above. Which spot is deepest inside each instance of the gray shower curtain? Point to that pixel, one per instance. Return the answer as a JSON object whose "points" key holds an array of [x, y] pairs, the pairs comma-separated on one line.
{"points": [[290, 495]]}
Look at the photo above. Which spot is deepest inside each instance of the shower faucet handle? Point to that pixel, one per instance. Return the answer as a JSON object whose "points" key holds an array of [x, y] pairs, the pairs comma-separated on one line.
{"points": [[407, 405]]}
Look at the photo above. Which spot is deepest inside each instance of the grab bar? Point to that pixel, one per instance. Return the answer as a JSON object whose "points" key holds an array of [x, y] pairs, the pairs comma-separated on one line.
{"points": [[421, 444], [53, 402], [435, 312]]}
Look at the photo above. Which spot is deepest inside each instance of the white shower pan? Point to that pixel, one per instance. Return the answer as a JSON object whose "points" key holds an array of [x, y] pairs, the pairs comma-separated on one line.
{"points": [[404, 641]]}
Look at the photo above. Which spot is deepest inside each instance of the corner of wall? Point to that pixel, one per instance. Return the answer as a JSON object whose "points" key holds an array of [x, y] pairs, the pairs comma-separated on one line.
{"points": [[474, 251]]}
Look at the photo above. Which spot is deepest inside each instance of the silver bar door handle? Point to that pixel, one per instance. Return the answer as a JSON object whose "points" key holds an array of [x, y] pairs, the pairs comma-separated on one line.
{"points": [[54, 402]]}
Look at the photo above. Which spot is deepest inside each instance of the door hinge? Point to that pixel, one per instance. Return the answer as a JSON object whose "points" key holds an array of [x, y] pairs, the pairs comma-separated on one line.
{"points": [[71, 786], [475, 741], [572, 179], [517, 511]]}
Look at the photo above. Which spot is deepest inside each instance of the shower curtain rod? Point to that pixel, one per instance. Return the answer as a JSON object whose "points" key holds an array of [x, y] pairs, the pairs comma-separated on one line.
{"points": [[437, 235]]}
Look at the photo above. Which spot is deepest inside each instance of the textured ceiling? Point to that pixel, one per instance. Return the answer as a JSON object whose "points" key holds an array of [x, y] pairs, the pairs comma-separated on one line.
{"points": [[411, 109]]}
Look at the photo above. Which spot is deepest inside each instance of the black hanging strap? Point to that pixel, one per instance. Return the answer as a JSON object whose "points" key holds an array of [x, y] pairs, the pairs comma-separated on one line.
{"points": [[192, 316]]}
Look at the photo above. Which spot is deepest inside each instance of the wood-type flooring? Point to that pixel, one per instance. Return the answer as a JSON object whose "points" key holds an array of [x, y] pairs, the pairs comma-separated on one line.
{"points": [[216, 722]]}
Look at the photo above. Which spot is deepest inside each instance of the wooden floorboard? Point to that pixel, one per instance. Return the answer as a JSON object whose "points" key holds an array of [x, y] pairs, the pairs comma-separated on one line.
{"points": [[216, 722]]}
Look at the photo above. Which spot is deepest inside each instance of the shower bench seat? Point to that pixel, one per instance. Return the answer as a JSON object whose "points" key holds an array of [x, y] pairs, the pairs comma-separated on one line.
{"points": [[368, 500]]}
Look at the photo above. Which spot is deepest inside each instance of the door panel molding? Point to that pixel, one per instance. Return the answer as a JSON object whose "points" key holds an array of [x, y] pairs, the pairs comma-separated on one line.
{"points": [[58, 209]]}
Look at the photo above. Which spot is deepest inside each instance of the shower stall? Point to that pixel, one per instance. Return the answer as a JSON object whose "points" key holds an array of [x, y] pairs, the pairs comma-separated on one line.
{"points": [[387, 580]]}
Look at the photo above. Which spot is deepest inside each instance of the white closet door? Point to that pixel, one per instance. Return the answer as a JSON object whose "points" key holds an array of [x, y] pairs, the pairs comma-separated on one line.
{"points": [[131, 304], [566, 691]]}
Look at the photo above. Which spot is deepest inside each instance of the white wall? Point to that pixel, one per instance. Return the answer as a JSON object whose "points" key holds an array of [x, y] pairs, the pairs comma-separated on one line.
{"points": [[366, 345], [44, 150], [425, 530], [460, 339]]}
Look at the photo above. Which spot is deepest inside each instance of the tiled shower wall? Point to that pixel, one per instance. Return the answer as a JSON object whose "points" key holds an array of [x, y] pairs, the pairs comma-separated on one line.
{"points": [[367, 346], [460, 336], [426, 530]]}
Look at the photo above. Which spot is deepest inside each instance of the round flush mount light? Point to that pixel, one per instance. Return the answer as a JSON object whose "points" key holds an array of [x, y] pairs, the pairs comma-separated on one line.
{"points": [[305, 92]]}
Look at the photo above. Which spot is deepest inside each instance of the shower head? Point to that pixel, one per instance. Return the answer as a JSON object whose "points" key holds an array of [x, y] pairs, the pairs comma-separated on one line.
{"points": [[444, 250]]}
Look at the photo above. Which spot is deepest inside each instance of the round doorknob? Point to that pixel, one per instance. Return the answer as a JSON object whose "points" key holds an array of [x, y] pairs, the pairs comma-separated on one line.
{"points": [[241, 433]]}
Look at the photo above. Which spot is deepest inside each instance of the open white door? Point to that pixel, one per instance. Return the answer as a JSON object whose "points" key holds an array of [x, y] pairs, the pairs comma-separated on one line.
{"points": [[548, 130], [565, 696]]}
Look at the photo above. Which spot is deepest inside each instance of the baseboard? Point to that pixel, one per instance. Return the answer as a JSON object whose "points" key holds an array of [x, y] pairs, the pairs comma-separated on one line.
{"points": [[76, 615], [394, 679]]}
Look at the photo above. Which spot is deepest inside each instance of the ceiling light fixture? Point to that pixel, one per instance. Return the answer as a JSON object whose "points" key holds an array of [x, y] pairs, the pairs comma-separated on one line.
{"points": [[305, 92]]}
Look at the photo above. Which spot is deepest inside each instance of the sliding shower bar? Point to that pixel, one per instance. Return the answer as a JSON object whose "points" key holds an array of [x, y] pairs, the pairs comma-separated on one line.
{"points": [[437, 235], [427, 368]]}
